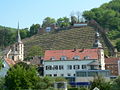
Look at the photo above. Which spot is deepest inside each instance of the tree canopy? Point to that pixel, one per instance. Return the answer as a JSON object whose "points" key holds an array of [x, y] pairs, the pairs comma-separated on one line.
{"points": [[48, 21], [23, 76], [63, 22], [35, 51], [20, 78], [34, 29], [108, 16]]}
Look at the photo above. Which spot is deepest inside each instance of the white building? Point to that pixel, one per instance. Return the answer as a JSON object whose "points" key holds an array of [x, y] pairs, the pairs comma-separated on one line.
{"points": [[6, 64], [67, 68]]}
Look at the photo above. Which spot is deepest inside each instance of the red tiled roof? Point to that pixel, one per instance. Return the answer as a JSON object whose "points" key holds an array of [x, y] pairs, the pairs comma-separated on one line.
{"points": [[10, 62], [92, 53], [111, 60]]}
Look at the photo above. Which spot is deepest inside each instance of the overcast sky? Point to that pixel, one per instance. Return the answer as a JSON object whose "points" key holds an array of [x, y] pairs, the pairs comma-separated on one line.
{"points": [[29, 12]]}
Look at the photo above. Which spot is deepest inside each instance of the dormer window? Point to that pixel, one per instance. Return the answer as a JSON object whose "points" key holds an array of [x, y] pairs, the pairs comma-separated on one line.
{"points": [[63, 58], [52, 58], [76, 57], [87, 57]]}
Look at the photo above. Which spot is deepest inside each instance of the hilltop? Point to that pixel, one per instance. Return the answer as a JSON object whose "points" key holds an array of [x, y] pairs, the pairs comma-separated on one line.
{"points": [[66, 39]]}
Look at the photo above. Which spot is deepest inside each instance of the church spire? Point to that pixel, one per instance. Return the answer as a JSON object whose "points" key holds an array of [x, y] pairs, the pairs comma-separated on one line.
{"points": [[18, 36]]}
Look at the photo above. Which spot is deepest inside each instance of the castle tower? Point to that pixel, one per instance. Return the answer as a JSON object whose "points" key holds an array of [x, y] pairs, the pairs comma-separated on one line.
{"points": [[98, 46], [97, 43]]}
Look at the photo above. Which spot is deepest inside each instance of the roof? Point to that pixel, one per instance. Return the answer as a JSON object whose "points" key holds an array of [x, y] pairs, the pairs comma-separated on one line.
{"points": [[57, 54], [111, 60], [10, 62]]}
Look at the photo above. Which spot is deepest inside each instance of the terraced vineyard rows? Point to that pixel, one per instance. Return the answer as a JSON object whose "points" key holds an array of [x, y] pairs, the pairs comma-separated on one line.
{"points": [[66, 39]]}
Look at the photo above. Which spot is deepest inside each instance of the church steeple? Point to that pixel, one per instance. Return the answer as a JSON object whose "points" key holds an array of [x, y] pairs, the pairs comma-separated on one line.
{"points": [[18, 35]]}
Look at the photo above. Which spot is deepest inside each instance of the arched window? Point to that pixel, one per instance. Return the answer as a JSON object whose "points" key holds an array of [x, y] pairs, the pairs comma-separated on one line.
{"points": [[63, 58], [76, 57], [87, 57]]}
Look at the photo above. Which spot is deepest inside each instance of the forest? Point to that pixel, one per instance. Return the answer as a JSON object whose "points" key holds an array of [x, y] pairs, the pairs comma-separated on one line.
{"points": [[108, 16]]}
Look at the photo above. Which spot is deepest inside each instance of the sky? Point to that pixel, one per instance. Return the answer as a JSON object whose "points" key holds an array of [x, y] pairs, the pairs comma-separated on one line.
{"points": [[28, 12]]}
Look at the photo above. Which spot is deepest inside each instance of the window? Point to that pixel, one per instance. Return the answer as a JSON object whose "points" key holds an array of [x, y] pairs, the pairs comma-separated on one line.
{"points": [[91, 74], [84, 67], [13, 58], [3, 65], [52, 58], [76, 67], [48, 67], [62, 74], [55, 74], [55, 67], [81, 74], [73, 74], [61, 67], [69, 74], [63, 58], [92, 67], [76, 57], [87, 57], [69, 67]]}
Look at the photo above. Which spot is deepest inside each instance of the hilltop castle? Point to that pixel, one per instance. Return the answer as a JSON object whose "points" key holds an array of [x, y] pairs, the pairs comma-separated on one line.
{"points": [[16, 52]]}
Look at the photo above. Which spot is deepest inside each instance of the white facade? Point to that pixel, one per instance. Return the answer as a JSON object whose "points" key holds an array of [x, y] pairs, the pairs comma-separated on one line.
{"points": [[102, 59], [67, 68], [48, 29], [21, 51], [3, 70], [118, 67], [79, 24]]}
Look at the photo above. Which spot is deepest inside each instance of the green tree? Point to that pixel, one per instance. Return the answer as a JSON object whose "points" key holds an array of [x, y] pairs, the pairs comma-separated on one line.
{"points": [[24, 33], [34, 29], [73, 20], [35, 51], [63, 22], [2, 82], [48, 21], [7, 37], [100, 83], [60, 79], [107, 15], [20, 78], [116, 84], [1, 59]]}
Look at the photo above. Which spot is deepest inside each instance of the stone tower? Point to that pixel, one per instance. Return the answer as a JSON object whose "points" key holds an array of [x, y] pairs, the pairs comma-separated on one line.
{"points": [[98, 45]]}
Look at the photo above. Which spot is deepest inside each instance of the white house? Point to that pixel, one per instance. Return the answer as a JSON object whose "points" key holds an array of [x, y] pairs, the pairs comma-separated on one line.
{"points": [[7, 63]]}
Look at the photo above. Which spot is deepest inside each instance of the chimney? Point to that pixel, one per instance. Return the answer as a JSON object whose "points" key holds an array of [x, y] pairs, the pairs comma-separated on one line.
{"points": [[81, 50], [74, 50]]}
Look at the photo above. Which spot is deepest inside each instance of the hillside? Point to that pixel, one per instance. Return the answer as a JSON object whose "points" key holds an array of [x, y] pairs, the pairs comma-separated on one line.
{"points": [[108, 16], [66, 39], [7, 36]]}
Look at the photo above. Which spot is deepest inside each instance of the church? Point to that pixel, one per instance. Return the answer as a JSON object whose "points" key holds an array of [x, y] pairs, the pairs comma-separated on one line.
{"points": [[16, 51]]}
